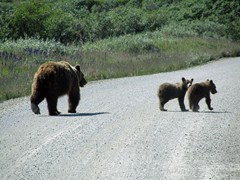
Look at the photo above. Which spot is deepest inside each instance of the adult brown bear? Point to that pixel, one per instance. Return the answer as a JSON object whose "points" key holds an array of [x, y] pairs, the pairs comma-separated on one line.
{"points": [[201, 90], [168, 91], [55, 79]]}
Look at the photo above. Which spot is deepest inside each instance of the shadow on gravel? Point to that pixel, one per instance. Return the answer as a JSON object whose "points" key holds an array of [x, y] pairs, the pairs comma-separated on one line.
{"points": [[215, 112], [174, 111], [210, 112], [83, 114]]}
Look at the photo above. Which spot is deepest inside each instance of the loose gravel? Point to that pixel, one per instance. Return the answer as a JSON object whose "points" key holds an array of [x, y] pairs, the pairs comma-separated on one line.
{"points": [[120, 133]]}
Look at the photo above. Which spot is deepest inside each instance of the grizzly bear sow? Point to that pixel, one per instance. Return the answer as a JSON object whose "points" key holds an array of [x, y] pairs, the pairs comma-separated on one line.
{"points": [[169, 91], [54, 79], [198, 91]]}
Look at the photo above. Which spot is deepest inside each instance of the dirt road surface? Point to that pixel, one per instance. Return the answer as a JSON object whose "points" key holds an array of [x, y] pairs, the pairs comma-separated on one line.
{"points": [[119, 132]]}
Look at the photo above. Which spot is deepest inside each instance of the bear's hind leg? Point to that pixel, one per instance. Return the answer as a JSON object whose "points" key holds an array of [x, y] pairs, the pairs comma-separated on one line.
{"points": [[190, 105], [35, 108], [35, 100], [196, 107], [52, 105], [161, 105]]}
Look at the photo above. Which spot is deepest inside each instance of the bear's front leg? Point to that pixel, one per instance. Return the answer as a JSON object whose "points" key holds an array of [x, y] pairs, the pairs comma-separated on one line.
{"points": [[208, 102], [73, 100], [181, 104]]}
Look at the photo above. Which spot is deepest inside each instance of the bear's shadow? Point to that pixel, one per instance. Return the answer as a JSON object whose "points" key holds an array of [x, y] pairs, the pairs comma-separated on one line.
{"points": [[83, 114], [207, 112], [215, 112]]}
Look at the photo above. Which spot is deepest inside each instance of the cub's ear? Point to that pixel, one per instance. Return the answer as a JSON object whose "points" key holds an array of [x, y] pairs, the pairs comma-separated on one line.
{"points": [[211, 81], [77, 67], [183, 79], [191, 80]]}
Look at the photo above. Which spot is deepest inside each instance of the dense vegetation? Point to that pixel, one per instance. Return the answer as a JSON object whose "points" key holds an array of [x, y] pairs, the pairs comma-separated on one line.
{"points": [[80, 21], [112, 38]]}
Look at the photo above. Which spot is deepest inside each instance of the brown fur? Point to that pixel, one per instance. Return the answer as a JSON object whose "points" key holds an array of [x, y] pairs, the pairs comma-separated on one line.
{"points": [[169, 91], [55, 79], [198, 91]]}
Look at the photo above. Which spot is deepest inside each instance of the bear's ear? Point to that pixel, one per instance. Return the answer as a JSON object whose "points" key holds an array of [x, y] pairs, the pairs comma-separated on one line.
{"points": [[211, 81], [191, 80], [77, 67], [183, 79]]}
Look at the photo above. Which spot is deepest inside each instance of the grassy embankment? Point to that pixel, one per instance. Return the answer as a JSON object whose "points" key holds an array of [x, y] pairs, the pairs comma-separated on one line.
{"points": [[129, 55]]}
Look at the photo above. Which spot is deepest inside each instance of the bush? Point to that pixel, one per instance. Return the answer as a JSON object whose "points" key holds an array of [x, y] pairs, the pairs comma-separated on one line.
{"points": [[233, 30], [59, 26], [39, 18], [208, 28], [154, 20], [29, 18], [36, 46], [125, 21], [6, 10], [179, 29]]}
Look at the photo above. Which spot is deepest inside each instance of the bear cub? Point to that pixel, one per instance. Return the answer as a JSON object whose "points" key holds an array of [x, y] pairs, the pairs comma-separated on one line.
{"points": [[168, 91], [55, 79], [198, 91]]}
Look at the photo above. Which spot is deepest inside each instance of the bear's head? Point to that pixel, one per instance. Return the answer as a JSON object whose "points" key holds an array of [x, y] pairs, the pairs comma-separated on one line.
{"points": [[82, 80], [186, 83], [212, 86]]}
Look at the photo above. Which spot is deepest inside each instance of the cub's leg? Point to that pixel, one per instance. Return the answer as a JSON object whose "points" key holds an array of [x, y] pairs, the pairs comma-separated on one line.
{"points": [[181, 104], [161, 105], [208, 102]]}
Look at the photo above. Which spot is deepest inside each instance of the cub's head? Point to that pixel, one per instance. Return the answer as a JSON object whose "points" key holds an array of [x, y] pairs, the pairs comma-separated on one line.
{"points": [[82, 80], [212, 86], [186, 83]]}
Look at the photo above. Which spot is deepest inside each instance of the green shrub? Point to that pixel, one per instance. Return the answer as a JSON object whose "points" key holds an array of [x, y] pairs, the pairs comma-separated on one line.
{"points": [[80, 21], [179, 29], [29, 18], [124, 21], [233, 30]]}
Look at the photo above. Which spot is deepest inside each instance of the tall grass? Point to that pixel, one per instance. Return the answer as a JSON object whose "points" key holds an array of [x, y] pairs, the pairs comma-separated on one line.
{"points": [[128, 55]]}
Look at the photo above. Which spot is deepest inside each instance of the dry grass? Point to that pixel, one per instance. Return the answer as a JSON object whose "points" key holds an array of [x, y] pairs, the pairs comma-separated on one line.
{"points": [[118, 57]]}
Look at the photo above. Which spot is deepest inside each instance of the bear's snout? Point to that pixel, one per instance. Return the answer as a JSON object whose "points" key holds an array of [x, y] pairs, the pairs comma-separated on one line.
{"points": [[83, 82], [214, 91]]}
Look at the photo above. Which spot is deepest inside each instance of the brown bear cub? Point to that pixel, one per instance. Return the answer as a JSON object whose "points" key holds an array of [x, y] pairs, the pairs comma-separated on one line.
{"points": [[201, 90], [55, 79], [169, 91]]}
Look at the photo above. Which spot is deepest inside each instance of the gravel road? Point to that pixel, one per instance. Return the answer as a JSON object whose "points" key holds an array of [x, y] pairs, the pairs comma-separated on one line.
{"points": [[119, 132]]}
